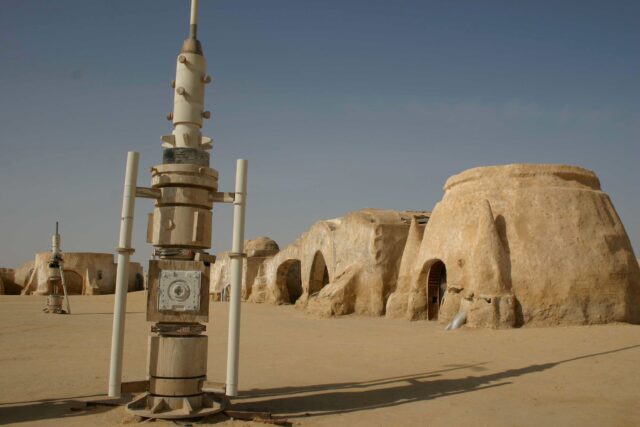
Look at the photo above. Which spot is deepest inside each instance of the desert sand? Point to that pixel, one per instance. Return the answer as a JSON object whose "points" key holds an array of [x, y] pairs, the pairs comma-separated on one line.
{"points": [[352, 370]]}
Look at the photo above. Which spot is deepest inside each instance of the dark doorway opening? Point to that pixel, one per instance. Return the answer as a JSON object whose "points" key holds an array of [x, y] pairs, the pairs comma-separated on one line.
{"points": [[289, 280], [139, 283], [74, 282], [436, 288], [319, 276]]}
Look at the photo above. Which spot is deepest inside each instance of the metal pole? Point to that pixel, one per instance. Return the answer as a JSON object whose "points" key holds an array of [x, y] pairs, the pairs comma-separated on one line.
{"points": [[57, 256], [64, 284], [237, 249], [122, 273], [193, 20]]}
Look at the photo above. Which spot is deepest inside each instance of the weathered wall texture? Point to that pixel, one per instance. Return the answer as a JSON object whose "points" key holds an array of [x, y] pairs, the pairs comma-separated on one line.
{"points": [[85, 273], [258, 250], [8, 285], [520, 244], [507, 246], [339, 266]]}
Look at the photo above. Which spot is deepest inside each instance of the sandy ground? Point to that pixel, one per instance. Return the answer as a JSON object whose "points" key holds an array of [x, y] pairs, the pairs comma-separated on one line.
{"points": [[354, 371]]}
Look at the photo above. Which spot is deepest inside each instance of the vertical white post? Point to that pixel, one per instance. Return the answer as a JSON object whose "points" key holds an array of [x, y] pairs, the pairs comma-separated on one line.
{"points": [[122, 273], [64, 287], [237, 249]]}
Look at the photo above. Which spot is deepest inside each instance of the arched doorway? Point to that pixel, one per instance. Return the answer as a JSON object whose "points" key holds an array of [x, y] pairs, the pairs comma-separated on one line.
{"points": [[74, 282], [139, 282], [289, 280], [436, 288], [319, 276]]}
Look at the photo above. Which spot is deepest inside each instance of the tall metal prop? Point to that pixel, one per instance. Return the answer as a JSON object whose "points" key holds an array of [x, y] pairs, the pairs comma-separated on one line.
{"points": [[55, 281], [184, 188]]}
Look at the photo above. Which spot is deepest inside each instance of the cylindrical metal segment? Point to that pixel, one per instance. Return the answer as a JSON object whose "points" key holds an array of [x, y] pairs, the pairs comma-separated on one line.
{"points": [[175, 386], [171, 175], [184, 169], [55, 243], [54, 300], [183, 155], [181, 226], [186, 196], [187, 135], [188, 103], [194, 13], [54, 273], [178, 357], [185, 180]]}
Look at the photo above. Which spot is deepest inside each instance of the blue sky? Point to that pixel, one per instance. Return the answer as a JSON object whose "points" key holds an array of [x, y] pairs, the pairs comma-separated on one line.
{"points": [[337, 105]]}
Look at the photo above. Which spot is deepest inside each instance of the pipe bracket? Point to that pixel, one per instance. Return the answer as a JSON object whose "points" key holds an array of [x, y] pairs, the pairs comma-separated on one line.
{"points": [[237, 255]]}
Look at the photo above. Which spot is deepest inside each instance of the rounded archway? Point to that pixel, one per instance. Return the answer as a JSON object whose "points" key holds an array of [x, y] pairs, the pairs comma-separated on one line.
{"points": [[319, 276], [436, 288], [139, 282], [74, 282], [289, 280]]}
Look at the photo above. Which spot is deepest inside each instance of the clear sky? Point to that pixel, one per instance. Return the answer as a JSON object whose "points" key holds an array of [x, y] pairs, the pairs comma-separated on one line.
{"points": [[338, 105]]}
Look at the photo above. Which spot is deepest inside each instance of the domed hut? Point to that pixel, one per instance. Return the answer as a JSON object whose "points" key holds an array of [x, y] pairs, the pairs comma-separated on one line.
{"points": [[533, 244]]}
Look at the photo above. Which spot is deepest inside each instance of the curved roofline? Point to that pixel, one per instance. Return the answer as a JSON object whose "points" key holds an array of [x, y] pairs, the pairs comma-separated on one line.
{"points": [[579, 174]]}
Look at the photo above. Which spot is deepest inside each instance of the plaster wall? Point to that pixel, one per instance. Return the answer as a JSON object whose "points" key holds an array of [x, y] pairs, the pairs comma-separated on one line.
{"points": [[524, 244], [85, 273], [361, 252]]}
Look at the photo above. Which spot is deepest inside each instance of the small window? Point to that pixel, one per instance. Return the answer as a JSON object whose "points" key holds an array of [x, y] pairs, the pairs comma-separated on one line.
{"points": [[99, 274]]}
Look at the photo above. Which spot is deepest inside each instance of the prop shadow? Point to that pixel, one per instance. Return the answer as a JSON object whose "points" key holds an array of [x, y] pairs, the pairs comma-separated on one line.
{"points": [[340, 398]]}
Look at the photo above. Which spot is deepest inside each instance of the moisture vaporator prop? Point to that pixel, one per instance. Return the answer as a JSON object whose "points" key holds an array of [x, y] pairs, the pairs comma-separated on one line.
{"points": [[56, 286], [184, 188]]}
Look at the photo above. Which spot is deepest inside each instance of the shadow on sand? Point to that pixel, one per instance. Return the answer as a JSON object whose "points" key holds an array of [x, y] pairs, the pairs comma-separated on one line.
{"points": [[106, 313], [20, 412], [329, 399], [322, 399]]}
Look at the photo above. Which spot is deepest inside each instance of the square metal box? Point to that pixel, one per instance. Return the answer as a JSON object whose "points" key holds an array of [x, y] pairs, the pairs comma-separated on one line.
{"points": [[179, 290]]}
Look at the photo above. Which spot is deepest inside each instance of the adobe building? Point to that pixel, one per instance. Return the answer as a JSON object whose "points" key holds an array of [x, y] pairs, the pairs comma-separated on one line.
{"points": [[258, 250], [340, 266], [522, 244], [512, 245], [85, 273], [8, 286]]}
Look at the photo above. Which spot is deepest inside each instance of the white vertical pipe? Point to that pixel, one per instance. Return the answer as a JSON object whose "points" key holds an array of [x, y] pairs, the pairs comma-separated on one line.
{"points": [[237, 249], [122, 273], [64, 287]]}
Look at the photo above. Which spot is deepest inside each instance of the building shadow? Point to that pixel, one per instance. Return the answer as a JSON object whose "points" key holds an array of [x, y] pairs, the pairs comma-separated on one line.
{"points": [[340, 398]]}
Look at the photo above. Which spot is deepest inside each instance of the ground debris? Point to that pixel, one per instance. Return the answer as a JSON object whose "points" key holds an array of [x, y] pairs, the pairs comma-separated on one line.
{"points": [[258, 417]]}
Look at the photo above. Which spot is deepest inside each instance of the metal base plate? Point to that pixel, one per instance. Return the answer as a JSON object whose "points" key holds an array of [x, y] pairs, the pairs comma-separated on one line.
{"points": [[171, 408]]}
